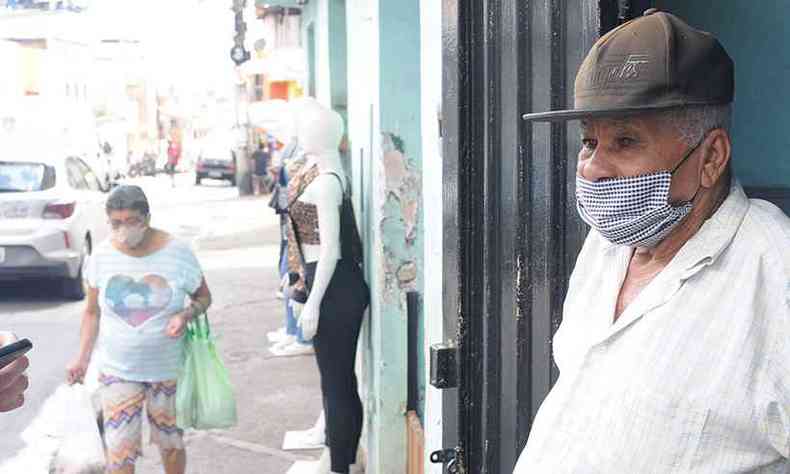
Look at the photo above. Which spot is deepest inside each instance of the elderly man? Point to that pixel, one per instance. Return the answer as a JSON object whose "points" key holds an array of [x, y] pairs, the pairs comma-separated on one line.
{"points": [[674, 350]]}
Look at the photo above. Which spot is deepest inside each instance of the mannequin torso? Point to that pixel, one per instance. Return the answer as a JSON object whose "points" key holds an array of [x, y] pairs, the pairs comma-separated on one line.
{"points": [[323, 190]]}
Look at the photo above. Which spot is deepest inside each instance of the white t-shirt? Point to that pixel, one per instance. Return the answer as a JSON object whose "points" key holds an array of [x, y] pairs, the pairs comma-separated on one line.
{"points": [[137, 297]]}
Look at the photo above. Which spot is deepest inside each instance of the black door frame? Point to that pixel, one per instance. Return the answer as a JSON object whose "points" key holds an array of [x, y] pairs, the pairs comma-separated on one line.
{"points": [[511, 232]]}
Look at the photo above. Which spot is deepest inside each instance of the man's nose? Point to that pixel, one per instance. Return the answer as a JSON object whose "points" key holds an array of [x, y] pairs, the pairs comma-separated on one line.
{"points": [[594, 167]]}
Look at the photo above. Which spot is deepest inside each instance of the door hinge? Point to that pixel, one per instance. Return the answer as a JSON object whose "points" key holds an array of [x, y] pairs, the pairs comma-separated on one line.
{"points": [[448, 457], [444, 365]]}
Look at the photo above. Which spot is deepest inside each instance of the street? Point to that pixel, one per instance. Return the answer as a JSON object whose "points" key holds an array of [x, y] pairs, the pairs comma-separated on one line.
{"points": [[237, 240]]}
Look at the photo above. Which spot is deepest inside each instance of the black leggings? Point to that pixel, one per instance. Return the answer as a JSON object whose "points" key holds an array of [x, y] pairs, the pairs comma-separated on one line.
{"points": [[340, 319]]}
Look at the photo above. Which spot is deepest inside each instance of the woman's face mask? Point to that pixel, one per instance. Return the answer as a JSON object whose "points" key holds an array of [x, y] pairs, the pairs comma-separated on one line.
{"points": [[130, 232], [131, 236]]}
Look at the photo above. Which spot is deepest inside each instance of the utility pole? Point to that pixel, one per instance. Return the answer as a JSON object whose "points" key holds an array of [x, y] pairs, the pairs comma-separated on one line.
{"points": [[239, 55]]}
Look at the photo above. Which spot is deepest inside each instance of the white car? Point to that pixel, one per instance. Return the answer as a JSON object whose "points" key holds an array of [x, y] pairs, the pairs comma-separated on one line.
{"points": [[52, 214]]}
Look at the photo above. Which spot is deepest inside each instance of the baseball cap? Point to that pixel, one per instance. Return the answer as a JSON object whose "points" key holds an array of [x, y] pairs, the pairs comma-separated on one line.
{"points": [[653, 62]]}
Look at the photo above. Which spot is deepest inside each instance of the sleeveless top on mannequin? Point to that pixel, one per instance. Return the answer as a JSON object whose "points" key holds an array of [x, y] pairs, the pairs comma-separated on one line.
{"points": [[304, 219], [304, 215]]}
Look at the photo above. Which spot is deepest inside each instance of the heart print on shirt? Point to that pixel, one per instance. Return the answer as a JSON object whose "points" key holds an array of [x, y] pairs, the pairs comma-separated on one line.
{"points": [[137, 301]]}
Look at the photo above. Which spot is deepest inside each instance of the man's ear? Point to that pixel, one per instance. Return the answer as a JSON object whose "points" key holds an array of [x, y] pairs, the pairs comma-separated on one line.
{"points": [[717, 154]]}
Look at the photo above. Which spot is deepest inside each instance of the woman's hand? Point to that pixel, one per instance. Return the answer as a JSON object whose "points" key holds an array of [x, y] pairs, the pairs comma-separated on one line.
{"points": [[178, 324], [13, 381], [75, 371]]}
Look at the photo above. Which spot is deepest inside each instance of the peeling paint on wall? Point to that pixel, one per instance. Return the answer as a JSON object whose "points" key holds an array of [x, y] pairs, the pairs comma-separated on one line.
{"points": [[407, 273], [399, 218]]}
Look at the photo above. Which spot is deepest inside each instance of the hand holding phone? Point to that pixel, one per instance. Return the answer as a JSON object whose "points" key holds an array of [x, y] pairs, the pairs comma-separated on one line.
{"points": [[13, 364]]}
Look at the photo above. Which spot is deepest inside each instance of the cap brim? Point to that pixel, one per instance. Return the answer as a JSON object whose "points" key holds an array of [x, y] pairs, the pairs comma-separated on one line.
{"points": [[579, 114]]}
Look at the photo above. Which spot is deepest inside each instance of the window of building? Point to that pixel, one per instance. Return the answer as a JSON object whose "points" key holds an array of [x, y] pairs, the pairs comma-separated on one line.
{"points": [[259, 87]]}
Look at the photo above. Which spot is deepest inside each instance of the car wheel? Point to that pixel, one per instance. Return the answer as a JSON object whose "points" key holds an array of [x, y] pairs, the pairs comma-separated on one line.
{"points": [[198, 179], [74, 288]]}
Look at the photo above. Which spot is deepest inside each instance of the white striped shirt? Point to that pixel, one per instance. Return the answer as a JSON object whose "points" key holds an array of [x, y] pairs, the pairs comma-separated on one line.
{"points": [[137, 297], [694, 376]]}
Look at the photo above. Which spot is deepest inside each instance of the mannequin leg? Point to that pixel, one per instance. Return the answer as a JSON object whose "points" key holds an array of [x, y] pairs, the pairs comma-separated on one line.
{"points": [[336, 348], [341, 401], [291, 327]]}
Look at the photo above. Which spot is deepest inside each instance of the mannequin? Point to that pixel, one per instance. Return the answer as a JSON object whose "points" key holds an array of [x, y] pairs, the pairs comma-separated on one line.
{"points": [[337, 294], [289, 340]]}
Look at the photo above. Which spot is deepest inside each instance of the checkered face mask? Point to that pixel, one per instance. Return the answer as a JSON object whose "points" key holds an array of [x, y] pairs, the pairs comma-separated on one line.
{"points": [[633, 211]]}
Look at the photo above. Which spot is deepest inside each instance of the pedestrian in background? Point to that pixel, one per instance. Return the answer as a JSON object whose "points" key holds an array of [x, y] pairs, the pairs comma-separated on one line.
{"points": [[138, 283], [173, 156], [261, 158]]}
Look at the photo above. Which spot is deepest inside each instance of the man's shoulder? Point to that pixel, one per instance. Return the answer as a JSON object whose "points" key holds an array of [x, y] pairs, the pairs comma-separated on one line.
{"points": [[767, 230]]}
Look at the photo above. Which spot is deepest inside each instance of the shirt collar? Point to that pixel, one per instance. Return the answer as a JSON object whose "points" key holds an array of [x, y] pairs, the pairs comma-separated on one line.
{"points": [[716, 233], [712, 238]]}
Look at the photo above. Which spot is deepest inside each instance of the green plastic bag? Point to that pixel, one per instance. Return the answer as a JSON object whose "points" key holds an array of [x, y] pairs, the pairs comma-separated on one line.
{"points": [[204, 397]]}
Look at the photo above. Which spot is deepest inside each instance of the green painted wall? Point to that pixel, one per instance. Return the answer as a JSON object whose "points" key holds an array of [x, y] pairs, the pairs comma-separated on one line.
{"points": [[311, 60], [399, 63], [338, 62], [756, 36], [394, 217]]}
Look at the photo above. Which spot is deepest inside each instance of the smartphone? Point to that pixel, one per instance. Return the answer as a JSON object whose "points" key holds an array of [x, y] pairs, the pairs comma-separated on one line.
{"points": [[14, 351]]}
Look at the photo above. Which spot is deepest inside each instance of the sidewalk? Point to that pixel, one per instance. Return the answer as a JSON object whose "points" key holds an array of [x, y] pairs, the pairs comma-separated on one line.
{"points": [[274, 395]]}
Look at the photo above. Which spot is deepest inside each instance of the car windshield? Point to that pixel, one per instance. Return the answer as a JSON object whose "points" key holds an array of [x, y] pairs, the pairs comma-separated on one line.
{"points": [[24, 177]]}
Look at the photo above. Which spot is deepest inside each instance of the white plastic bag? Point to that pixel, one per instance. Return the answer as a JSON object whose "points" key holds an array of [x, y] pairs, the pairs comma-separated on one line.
{"points": [[80, 450], [64, 436]]}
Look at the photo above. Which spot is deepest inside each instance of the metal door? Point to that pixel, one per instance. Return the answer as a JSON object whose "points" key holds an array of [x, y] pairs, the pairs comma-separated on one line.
{"points": [[511, 230]]}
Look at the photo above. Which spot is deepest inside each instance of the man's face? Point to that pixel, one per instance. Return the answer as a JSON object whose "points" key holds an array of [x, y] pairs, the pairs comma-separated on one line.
{"points": [[637, 145]]}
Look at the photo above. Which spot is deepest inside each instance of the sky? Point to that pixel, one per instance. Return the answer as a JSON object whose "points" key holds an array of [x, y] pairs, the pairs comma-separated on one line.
{"points": [[185, 42]]}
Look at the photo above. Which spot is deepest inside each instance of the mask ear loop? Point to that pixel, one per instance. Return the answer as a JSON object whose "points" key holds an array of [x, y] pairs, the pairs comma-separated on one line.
{"points": [[683, 160], [687, 155]]}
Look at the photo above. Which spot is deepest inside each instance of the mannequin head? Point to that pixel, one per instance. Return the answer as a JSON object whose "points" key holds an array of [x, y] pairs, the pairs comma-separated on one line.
{"points": [[319, 129]]}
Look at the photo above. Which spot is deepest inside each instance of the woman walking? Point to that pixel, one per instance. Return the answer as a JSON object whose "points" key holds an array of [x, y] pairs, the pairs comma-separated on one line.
{"points": [[144, 286]]}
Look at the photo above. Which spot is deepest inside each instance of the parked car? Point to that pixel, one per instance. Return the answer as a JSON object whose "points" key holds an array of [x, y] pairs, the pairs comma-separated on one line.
{"points": [[51, 214], [216, 161]]}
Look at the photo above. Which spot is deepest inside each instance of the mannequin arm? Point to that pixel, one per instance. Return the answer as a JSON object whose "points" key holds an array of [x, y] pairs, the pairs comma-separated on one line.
{"points": [[327, 197]]}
